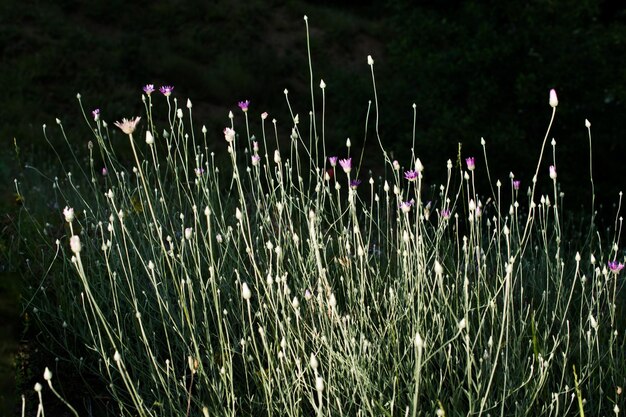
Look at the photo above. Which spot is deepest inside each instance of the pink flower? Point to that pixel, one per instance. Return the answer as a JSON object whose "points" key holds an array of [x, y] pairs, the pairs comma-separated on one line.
{"points": [[471, 164], [615, 267], [405, 206], [333, 161], [148, 88], [128, 126], [243, 105], [166, 90], [96, 114], [346, 164], [411, 175]]}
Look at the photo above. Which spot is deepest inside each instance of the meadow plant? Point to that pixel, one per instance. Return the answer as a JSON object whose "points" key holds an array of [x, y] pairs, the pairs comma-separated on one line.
{"points": [[277, 285]]}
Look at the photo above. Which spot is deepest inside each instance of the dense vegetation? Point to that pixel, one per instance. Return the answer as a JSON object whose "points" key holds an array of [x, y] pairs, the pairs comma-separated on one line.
{"points": [[473, 69]]}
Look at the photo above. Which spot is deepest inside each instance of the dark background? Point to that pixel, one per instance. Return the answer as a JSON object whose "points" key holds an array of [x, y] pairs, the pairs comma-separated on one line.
{"points": [[473, 68]]}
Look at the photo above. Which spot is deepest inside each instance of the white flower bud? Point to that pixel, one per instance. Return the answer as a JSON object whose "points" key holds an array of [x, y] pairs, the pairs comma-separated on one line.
{"points": [[245, 291], [75, 244], [149, 138], [319, 384], [554, 101]]}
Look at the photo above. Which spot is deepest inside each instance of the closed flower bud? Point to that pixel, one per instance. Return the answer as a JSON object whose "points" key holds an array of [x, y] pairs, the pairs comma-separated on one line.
{"points": [[75, 244], [245, 292], [554, 101]]}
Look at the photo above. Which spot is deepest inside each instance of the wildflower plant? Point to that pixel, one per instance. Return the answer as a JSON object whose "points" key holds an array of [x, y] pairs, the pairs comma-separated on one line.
{"points": [[262, 288]]}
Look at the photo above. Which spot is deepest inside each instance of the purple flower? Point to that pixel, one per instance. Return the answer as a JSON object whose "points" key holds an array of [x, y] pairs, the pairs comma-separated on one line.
{"points": [[243, 105], [615, 267], [255, 146], [445, 214], [411, 175], [405, 206], [346, 164], [199, 171], [333, 161], [96, 114], [105, 171], [354, 184], [470, 163], [166, 90], [148, 88], [516, 184], [255, 159]]}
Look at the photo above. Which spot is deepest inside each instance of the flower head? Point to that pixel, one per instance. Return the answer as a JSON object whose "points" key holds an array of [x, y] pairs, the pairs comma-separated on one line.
{"points": [[354, 184], [615, 267], [96, 114], [199, 171], [333, 160], [128, 126], [148, 88], [471, 163], [411, 175], [405, 206], [516, 184], [229, 134], [69, 214], [243, 105], [255, 159], [554, 101], [264, 115], [346, 164], [166, 90], [445, 214], [105, 171]]}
